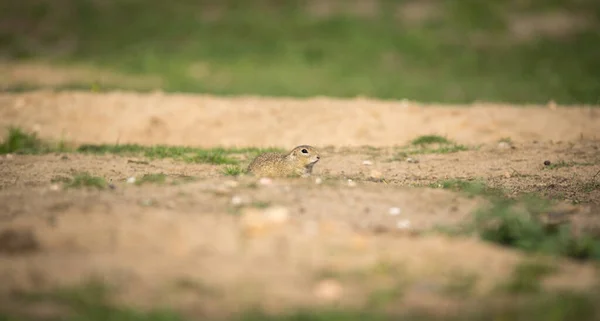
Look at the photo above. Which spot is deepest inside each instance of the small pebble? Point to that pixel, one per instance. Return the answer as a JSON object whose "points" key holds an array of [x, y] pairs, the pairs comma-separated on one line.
{"points": [[367, 162], [351, 183], [9, 156], [54, 187], [112, 186], [131, 180], [403, 224], [318, 180], [503, 145], [236, 200], [394, 211], [265, 181], [547, 163], [412, 160]]}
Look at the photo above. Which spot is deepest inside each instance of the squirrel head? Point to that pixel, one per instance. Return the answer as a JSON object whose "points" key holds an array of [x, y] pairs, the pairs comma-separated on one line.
{"points": [[305, 155]]}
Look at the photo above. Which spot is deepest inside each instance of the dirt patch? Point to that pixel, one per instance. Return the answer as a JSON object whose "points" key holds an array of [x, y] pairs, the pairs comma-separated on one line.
{"points": [[209, 121], [217, 244]]}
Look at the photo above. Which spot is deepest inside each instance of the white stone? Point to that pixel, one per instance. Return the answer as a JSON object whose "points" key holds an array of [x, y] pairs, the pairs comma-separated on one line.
{"points": [[403, 224], [395, 211], [236, 200]]}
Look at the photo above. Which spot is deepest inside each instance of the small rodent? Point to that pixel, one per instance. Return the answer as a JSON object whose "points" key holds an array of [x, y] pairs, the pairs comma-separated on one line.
{"points": [[298, 162]]}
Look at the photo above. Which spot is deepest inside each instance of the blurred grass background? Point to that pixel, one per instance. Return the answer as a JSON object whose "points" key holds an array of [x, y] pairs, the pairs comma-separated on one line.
{"points": [[519, 51]]}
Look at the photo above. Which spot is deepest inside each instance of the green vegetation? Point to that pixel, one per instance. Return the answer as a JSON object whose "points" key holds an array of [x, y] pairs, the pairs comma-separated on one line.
{"points": [[519, 224], [427, 144], [260, 204], [84, 179], [527, 277], [159, 178], [233, 170], [92, 302], [459, 51], [21, 142], [591, 185], [470, 187], [562, 164], [461, 284], [430, 139], [217, 155], [433, 144]]}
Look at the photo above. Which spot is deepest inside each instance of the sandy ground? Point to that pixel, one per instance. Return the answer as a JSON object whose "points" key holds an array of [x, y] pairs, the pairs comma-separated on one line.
{"points": [[216, 244]]}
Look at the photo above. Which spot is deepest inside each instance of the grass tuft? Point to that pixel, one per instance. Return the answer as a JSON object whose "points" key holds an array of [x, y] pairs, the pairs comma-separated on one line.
{"points": [[233, 170], [470, 187], [430, 139], [527, 277], [159, 178], [518, 225], [84, 179], [563, 164], [432, 144], [21, 142], [216, 157]]}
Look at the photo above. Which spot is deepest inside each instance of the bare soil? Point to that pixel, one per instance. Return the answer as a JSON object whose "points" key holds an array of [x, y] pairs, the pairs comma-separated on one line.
{"points": [[217, 244]]}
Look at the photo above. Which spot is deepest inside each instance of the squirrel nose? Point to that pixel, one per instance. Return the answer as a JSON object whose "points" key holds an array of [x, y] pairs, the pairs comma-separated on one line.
{"points": [[318, 157]]}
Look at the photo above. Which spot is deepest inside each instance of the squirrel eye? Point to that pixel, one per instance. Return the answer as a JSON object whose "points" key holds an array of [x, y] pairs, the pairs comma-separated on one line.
{"points": [[304, 151]]}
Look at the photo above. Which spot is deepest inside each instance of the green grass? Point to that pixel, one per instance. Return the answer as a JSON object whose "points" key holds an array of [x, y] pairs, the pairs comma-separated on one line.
{"points": [[430, 139], [84, 179], [517, 224], [429, 144], [563, 164], [434, 144], [447, 149], [527, 277], [233, 170], [470, 187], [217, 155], [92, 302], [465, 52], [22, 142], [159, 178]]}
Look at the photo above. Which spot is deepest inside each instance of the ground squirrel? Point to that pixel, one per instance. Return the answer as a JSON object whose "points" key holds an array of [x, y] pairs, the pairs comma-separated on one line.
{"points": [[298, 162]]}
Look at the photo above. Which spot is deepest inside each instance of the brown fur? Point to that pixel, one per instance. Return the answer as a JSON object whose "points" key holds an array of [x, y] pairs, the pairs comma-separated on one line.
{"points": [[295, 163]]}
